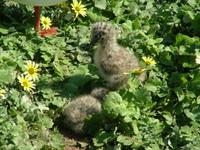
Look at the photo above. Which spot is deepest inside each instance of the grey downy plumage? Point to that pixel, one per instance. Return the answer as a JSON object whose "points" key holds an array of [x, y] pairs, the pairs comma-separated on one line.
{"points": [[81, 107], [113, 61]]}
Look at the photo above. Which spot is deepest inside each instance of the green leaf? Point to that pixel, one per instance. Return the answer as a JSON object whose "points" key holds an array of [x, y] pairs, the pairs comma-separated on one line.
{"points": [[95, 17], [189, 114], [192, 3], [150, 87], [125, 140], [113, 105], [118, 9], [58, 69], [7, 76], [135, 127], [127, 26], [187, 133], [101, 4], [144, 98], [153, 147], [182, 39], [137, 23], [83, 59], [57, 101], [45, 121], [3, 30], [168, 118], [57, 140], [102, 138]]}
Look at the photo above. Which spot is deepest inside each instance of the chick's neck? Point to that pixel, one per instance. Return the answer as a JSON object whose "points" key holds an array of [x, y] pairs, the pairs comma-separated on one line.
{"points": [[108, 44]]}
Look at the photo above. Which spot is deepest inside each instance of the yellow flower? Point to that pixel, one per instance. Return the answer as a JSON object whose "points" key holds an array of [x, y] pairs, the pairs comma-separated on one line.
{"points": [[2, 93], [78, 8], [26, 83], [138, 71], [32, 70], [46, 22], [149, 60]]}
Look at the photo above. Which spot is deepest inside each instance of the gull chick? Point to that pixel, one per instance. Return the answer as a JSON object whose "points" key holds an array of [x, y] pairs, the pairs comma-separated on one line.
{"points": [[113, 61], [81, 107]]}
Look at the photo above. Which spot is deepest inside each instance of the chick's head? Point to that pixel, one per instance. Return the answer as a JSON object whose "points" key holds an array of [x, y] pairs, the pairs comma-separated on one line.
{"points": [[102, 32], [99, 93]]}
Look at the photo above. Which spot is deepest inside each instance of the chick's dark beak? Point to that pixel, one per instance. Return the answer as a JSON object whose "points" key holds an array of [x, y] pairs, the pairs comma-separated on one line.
{"points": [[94, 39]]}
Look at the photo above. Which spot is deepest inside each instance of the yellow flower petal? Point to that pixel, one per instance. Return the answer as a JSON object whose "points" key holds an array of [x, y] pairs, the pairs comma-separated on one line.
{"points": [[78, 8], [138, 71], [32, 70], [46, 22], [26, 83], [149, 60]]}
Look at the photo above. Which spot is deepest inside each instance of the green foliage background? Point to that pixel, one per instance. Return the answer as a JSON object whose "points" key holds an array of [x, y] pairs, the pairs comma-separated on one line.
{"points": [[161, 114]]}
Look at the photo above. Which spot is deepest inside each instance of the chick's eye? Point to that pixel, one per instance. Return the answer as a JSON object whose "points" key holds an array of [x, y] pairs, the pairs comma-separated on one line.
{"points": [[103, 33], [97, 35]]}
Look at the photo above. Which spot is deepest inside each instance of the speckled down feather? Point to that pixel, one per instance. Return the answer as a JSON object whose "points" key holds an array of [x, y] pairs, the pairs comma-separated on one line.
{"points": [[113, 61], [81, 107]]}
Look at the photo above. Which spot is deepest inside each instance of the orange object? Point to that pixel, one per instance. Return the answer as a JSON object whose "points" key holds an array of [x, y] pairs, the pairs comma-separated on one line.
{"points": [[43, 33], [49, 32], [37, 15]]}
